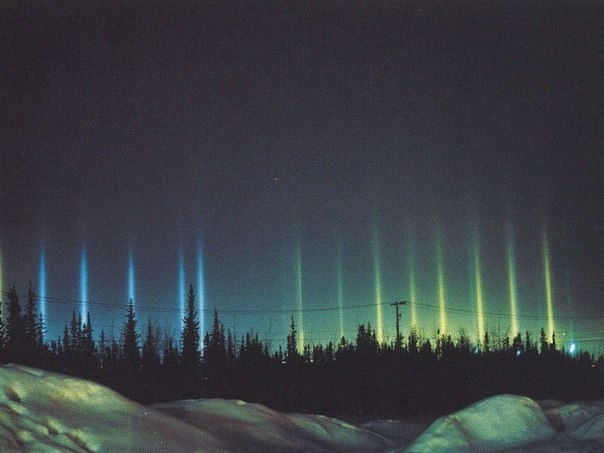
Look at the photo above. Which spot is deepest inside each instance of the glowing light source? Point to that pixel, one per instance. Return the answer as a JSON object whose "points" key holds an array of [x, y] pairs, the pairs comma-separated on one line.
{"points": [[200, 285], [42, 284], [412, 289], [131, 276], [299, 298], [479, 295], [379, 331], [441, 287], [512, 289], [548, 287], [572, 348], [181, 288], [83, 285], [340, 290]]}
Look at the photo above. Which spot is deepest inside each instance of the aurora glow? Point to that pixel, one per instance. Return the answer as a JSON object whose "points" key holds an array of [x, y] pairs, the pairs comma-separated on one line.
{"points": [[340, 290], [83, 285], [131, 285], [182, 290], [441, 288], [42, 285], [548, 286], [299, 304], [377, 279], [512, 288], [478, 288], [201, 286]]}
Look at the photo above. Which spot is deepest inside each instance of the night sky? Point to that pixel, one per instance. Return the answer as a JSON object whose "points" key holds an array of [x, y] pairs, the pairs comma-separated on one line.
{"points": [[306, 158]]}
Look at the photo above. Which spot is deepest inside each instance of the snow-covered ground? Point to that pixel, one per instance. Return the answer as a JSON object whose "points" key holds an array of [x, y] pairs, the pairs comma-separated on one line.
{"points": [[43, 411]]}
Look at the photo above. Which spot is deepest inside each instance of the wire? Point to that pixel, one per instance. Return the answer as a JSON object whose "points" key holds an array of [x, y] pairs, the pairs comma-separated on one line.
{"points": [[252, 311]]}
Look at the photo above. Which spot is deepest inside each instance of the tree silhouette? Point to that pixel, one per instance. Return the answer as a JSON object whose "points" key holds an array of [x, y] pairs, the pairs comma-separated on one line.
{"points": [[130, 340], [150, 359], [191, 357], [14, 328], [292, 355], [31, 329]]}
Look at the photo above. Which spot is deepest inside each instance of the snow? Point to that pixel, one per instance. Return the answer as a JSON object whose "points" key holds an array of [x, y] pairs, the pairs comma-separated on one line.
{"points": [[504, 420], [44, 411], [257, 428]]}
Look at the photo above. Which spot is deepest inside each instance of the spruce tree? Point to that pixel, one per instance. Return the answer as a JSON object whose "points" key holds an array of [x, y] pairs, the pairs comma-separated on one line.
{"points": [[171, 355], [543, 342], [150, 358], [191, 357], [88, 353], [291, 354], [413, 341], [215, 349], [30, 327], [2, 327], [14, 327], [75, 335], [130, 340]]}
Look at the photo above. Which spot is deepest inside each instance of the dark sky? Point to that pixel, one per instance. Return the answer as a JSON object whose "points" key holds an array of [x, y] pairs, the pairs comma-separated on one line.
{"points": [[282, 135]]}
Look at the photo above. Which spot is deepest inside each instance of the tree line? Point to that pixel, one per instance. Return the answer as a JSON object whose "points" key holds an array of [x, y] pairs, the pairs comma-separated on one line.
{"points": [[410, 375]]}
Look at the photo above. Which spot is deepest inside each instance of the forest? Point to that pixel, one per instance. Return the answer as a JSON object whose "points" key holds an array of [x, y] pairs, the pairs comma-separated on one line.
{"points": [[354, 377]]}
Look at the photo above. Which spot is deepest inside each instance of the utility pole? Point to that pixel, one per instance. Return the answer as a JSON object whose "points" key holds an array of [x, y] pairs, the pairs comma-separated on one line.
{"points": [[398, 342]]}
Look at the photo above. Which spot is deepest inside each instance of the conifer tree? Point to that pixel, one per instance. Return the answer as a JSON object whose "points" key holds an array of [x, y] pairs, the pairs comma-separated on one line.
{"points": [[543, 341], [215, 348], [130, 340], [14, 327], [88, 353], [30, 326], [291, 354], [75, 335], [2, 326], [191, 357], [413, 341], [150, 357], [171, 355], [102, 347], [231, 356], [66, 341]]}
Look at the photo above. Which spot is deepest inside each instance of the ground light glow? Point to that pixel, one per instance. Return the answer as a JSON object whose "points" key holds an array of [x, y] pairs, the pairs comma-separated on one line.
{"points": [[131, 276], [512, 288], [201, 287], [83, 285], [340, 290], [299, 299], [377, 278], [479, 294], [181, 288], [548, 287], [441, 287], [42, 285]]}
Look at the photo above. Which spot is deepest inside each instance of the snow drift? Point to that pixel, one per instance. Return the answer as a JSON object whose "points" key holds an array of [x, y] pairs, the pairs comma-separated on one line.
{"points": [[44, 411]]}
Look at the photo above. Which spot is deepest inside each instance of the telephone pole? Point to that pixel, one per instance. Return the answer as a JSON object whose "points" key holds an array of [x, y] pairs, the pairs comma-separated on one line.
{"points": [[398, 342]]}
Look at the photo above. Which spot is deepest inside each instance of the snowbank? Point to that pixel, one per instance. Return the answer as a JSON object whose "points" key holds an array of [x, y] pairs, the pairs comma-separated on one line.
{"points": [[516, 423], [257, 428], [503, 420], [43, 411]]}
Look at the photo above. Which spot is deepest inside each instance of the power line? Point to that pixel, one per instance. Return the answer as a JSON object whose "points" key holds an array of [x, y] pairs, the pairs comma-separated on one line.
{"points": [[260, 311]]}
